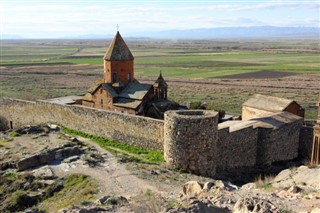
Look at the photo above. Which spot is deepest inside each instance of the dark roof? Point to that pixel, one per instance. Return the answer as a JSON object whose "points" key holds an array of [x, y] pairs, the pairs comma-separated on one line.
{"points": [[135, 91], [110, 89], [268, 103], [130, 97], [105, 86], [160, 82], [118, 50], [127, 103]]}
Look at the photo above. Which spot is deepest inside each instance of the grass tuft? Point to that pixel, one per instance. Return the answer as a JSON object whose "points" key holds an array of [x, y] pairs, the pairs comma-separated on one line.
{"points": [[264, 182]]}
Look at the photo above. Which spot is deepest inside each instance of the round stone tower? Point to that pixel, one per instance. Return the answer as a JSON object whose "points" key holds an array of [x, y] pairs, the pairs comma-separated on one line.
{"points": [[190, 140]]}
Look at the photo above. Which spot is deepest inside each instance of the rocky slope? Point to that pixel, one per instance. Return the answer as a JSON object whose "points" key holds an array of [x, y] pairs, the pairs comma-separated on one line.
{"points": [[45, 170]]}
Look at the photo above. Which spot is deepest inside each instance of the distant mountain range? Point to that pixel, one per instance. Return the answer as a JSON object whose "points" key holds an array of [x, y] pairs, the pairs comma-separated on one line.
{"points": [[235, 32], [7, 36], [210, 33]]}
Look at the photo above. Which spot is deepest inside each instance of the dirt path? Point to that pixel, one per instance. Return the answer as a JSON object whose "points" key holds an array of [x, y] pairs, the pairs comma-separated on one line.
{"points": [[113, 178]]}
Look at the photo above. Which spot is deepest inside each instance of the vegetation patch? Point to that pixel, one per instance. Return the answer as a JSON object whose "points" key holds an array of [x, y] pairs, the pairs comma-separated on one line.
{"points": [[76, 190], [264, 182], [11, 176], [14, 134], [19, 191], [130, 153]]}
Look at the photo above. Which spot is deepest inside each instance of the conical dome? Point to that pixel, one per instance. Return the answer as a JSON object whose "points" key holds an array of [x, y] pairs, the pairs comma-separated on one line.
{"points": [[160, 82], [118, 50]]}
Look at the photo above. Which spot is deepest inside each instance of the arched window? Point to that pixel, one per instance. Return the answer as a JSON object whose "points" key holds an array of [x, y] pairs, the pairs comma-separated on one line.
{"points": [[114, 77], [101, 103]]}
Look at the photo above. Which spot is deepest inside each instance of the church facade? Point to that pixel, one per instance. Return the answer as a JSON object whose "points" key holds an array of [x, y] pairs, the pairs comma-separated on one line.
{"points": [[119, 90]]}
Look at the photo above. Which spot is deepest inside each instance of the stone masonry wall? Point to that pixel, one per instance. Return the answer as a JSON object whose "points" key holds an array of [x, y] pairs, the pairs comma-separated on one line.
{"points": [[134, 130], [237, 149], [190, 140], [305, 142], [278, 144]]}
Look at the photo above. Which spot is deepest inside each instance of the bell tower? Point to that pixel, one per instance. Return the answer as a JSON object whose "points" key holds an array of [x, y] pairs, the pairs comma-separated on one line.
{"points": [[118, 62], [160, 88]]}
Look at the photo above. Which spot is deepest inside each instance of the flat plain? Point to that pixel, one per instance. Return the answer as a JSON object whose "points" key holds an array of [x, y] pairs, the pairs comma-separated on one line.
{"points": [[222, 73]]}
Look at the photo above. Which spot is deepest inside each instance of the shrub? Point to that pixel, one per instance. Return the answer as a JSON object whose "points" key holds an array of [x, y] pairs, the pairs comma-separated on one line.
{"points": [[20, 200], [14, 134], [195, 105], [221, 112], [11, 176], [264, 182], [3, 124]]}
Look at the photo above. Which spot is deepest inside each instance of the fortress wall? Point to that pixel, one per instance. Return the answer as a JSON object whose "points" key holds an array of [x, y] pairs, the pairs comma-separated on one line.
{"points": [[130, 129], [279, 144], [305, 142], [190, 140], [237, 149]]}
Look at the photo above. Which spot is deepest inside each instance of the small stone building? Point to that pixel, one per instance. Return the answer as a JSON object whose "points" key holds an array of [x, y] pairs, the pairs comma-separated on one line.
{"points": [[119, 90], [263, 105]]}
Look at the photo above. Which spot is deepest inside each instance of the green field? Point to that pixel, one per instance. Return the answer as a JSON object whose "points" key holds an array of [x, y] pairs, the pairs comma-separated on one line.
{"points": [[174, 62], [41, 69]]}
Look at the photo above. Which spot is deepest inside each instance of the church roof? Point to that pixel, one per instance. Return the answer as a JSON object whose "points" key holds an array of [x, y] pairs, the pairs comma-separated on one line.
{"points": [[135, 91], [110, 89], [118, 50], [127, 103], [105, 86]]}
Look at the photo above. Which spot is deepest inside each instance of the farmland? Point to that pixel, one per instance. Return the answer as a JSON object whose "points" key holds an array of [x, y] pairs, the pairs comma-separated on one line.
{"points": [[222, 73]]}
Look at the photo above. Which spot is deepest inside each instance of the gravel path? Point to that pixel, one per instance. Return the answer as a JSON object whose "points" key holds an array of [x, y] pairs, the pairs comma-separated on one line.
{"points": [[113, 178]]}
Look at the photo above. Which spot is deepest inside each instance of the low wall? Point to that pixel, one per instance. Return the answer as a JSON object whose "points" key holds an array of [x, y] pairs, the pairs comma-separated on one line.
{"points": [[130, 129], [237, 149]]}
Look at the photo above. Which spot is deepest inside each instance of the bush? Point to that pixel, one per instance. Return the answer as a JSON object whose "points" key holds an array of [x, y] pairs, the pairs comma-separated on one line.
{"points": [[20, 200], [12, 176], [14, 134], [221, 112], [195, 105], [3, 124]]}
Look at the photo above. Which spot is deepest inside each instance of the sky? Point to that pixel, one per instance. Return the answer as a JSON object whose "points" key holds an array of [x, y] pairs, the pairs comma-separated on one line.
{"points": [[65, 18]]}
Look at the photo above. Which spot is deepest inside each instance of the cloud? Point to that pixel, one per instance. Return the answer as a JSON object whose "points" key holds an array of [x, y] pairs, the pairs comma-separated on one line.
{"points": [[99, 18]]}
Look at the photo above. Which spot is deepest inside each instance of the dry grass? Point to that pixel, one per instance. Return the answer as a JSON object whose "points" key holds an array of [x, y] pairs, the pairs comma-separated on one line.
{"points": [[149, 202], [265, 183]]}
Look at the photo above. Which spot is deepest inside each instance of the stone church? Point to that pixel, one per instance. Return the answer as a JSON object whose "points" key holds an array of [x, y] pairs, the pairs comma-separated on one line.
{"points": [[120, 91]]}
